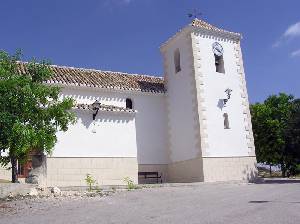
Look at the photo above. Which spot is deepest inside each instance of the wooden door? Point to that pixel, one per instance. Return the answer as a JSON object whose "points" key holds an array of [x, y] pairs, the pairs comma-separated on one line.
{"points": [[24, 169]]}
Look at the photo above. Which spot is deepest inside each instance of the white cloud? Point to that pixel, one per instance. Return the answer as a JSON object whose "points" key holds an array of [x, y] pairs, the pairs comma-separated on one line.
{"points": [[293, 30], [295, 53], [121, 2], [127, 1], [112, 3], [276, 44]]}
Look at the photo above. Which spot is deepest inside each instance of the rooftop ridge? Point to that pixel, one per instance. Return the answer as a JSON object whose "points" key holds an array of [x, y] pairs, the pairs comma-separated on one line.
{"points": [[97, 70], [85, 77], [108, 71]]}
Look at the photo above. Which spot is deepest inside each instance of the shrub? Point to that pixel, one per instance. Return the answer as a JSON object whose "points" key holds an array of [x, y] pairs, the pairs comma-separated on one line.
{"points": [[130, 184], [90, 181]]}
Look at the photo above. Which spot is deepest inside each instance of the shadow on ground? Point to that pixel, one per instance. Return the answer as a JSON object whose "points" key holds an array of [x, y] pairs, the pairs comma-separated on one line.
{"points": [[279, 181]]}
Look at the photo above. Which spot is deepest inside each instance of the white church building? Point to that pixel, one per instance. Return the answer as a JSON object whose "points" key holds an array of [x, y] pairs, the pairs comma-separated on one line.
{"points": [[191, 125]]}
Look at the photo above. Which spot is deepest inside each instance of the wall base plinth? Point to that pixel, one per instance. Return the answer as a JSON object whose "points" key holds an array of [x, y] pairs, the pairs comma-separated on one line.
{"points": [[162, 170], [186, 171], [62, 171], [229, 169]]}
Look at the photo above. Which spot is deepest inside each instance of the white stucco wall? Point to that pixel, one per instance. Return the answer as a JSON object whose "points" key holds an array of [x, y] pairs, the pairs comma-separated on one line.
{"points": [[181, 113], [141, 135], [114, 136], [151, 129], [222, 142], [219, 142]]}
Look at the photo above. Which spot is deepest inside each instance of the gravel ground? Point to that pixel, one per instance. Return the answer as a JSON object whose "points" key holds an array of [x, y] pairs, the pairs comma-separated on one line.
{"points": [[269, 203]]}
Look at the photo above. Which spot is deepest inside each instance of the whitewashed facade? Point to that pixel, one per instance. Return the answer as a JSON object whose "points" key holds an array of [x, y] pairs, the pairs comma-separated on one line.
{"points": [[179, 132]]}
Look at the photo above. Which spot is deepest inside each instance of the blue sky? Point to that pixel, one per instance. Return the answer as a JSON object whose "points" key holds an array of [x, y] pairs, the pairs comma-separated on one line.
{"points": [[125, 35]]}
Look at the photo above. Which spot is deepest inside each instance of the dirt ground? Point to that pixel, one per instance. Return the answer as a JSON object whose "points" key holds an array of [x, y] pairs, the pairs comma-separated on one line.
{"points": [[269, 203]]}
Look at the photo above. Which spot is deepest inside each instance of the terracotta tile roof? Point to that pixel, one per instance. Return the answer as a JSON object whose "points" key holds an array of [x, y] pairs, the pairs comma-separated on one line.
{"points": [[102, 79], [103, 107], [202, 24]]}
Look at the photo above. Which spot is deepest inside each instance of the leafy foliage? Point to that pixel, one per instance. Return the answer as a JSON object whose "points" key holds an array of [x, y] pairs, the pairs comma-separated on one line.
{"points": [[30, 111], [130, 184], [90, 181], [276, 125]]}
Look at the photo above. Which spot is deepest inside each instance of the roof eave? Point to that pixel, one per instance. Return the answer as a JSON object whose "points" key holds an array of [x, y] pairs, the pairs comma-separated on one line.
{"points": [[223, 34], [190, 28], [105, 89], [185, 30]]}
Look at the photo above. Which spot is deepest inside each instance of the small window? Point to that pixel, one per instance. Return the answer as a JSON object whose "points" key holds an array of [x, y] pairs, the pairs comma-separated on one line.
{"points": [[177, 61], [128, 103], [219, 63], [226, 121]]}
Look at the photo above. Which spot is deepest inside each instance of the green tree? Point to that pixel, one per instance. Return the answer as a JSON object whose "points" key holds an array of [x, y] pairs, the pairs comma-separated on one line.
{"points": [[30, 111], [293, 139], [273, 128]]}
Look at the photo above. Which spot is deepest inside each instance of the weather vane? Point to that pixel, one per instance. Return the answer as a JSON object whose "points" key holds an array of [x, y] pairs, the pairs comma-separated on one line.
{"points": [[195, 14]]}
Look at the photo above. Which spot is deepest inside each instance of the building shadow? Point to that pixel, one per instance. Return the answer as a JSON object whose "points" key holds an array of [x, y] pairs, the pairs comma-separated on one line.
{"points": [[251, 176], [258, 202], [278, 181], [263, 202], [146, 86]]}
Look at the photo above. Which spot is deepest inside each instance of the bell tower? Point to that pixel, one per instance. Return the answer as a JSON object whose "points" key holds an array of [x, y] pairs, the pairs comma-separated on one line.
{"points": [[209, 125]]}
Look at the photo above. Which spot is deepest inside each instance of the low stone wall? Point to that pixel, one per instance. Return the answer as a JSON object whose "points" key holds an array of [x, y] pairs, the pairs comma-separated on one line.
{"points": [[5, 174], [112, 171], [229, 169], [7, 189], [186, 171], [63, 171]]}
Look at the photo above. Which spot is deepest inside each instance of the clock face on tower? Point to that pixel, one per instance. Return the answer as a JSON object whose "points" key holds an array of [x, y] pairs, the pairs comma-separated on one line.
{"points": [[217, 49]]}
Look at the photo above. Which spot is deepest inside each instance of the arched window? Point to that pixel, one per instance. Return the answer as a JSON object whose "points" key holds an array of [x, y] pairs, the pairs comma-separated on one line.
{"points": [[219, 63], [129, 103], [226, 121], [177, 60]]}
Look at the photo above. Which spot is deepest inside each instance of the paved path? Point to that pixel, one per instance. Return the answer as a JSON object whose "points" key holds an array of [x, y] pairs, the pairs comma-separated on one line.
{"points": [[201, 203]]}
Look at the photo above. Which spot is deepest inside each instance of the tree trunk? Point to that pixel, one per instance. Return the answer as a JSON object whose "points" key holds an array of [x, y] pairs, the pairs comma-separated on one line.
{"points": [[270, 170], [283, 170], [14, 170]]}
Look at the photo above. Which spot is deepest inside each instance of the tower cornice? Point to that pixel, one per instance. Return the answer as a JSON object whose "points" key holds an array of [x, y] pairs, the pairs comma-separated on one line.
{"points": [[200, 26]]}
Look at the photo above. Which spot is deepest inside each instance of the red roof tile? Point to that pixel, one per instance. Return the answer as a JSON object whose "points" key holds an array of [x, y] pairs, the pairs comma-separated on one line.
{"points": [[102, 79]]}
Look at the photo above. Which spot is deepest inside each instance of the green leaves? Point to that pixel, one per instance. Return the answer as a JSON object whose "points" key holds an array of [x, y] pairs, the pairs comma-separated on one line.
{"points": [[30, 110], [275, 124]]}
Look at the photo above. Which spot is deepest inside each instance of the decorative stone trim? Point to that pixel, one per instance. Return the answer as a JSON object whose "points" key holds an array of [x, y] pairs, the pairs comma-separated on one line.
{"points": [[168, 110], [110, 90], [245, 101], [192, 66], [204, 25], [199, 108]]}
